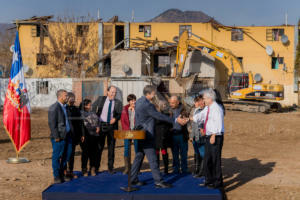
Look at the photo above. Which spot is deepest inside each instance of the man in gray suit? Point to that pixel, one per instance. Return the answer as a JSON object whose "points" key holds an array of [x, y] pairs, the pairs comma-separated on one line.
{"points": [[145, 116], [60, 134]]}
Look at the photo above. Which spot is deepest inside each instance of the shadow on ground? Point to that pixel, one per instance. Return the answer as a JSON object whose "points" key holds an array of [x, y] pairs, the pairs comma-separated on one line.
{"points": [[239, 172]]}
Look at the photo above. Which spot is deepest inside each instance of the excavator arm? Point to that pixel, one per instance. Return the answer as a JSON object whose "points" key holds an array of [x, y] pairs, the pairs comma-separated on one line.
{"points": [[206, 47]]}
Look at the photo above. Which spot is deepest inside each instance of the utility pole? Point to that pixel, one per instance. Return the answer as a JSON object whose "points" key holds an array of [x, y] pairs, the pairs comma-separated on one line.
{"points": [[132, 15]]}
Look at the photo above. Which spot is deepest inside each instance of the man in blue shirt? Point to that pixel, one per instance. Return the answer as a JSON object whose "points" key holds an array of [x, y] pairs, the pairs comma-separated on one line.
{"points": [[179, 138]]}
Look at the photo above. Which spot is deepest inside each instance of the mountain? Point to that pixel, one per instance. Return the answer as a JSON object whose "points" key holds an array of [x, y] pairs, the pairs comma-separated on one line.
{"points": [[176, 15], [4, 27]]}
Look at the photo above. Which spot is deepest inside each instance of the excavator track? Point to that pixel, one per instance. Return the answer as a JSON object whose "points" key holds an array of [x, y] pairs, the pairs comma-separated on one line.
{"points": [[252, 106]]}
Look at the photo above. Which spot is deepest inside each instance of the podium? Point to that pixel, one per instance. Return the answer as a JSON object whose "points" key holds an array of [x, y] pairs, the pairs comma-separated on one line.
{"points": [[130, 135]]}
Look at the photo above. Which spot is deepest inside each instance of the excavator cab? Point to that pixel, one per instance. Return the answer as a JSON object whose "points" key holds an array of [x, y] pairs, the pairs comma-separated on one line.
{"points": [[238, 81]]}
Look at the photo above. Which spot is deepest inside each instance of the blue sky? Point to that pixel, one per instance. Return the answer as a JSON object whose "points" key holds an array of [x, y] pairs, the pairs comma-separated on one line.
{"points": [[228, 12]]}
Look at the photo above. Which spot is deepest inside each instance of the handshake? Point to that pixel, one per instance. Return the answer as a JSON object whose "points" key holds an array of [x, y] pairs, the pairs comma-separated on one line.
{"points": [[182, 120]]}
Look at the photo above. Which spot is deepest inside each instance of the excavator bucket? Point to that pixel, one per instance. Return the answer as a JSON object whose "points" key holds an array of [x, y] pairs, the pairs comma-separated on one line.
{"points": [[186, 82]]}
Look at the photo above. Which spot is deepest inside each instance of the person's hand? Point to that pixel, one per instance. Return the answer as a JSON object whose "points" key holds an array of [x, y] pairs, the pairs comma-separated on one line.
{"points": [[202, 132], [185, 121], [212, 139], [82, 139], [113, 120], [181, 121], [98, 130]]}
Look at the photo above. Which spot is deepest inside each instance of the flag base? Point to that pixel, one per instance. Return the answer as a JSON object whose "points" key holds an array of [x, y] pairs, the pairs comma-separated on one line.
{"points": [[17, 160]]}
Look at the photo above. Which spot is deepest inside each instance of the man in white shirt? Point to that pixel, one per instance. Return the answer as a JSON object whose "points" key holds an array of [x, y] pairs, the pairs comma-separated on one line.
{"points": [[213, 118]]}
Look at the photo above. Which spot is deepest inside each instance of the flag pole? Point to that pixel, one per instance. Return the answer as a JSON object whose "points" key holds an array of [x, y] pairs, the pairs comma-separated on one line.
{"points": [[17, 159]]}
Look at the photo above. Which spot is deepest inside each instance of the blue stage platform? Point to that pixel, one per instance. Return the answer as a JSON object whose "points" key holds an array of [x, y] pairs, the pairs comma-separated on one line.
{"points": [[107, 187]]}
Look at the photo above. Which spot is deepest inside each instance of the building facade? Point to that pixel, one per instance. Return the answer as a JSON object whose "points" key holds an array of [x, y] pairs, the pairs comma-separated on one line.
{"points": [[248, 43]]}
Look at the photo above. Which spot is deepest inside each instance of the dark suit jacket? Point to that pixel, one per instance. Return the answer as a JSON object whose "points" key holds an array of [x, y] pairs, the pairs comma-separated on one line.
{"points": [[76, 125], [97, 107], [145, 116], [57, 121]]}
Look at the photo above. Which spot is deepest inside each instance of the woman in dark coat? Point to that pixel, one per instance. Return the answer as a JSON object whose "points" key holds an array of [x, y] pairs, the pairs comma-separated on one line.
{"points": [[163, 139], [90, 150]]}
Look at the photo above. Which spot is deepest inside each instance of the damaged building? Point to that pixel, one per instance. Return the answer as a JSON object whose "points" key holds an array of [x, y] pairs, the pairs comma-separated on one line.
{"points": [[132, 54]]}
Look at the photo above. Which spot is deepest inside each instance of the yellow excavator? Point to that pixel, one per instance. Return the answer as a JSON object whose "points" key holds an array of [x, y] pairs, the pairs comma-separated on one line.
{"points": [[245, 93]]}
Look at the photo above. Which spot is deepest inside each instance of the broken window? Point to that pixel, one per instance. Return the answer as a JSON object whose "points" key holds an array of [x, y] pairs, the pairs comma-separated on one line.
{"points": [[70, 55], [185, 27], [147, 31], [82, 30], [240, 59], [166, 85], [237, 34], [141, 28], [276, 61], [42, 87], [41, 59], [162, 64], [39, 30], [274, 34]]}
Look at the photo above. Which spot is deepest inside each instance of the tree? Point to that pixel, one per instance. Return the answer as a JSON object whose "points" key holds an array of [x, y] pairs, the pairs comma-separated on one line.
{"points": [[297, 61], [73, 44], [7, 38]]}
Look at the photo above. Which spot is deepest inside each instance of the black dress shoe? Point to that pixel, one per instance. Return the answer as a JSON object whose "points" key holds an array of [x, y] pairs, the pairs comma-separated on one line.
{"points": [[211, 186], [67, 178], [138, 183], [57, 180], [163, 185], [204, 184]]}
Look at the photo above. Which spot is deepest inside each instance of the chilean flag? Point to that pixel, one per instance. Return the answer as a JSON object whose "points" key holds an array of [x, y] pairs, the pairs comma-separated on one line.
{"points": [[16, 108]]}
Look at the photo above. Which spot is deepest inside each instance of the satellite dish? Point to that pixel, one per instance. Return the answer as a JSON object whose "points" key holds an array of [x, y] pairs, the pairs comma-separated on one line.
{"points": [[12, 48], [126, 68], [176, 39], [29, 72], [284, 39], [25, 68], [269, 50], [257, 78]]}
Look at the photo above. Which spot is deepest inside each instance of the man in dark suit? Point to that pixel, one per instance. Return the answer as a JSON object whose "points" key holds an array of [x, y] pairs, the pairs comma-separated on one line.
{"points": [[109, 110], [77, 131], [61, 140], [145, 116]]}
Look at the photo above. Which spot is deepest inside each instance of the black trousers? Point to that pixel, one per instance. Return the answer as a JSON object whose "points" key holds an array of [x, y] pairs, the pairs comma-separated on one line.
{"points": [[90, 152], [109, 137], [71, 161], [212, 161]]}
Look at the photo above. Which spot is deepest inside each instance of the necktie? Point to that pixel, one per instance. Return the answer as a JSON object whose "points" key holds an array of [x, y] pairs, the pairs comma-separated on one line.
{"points": [[109, 111], [206, 120]]}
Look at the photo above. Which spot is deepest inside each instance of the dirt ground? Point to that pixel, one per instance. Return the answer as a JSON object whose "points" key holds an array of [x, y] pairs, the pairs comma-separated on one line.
{"points": [[260, 158]]}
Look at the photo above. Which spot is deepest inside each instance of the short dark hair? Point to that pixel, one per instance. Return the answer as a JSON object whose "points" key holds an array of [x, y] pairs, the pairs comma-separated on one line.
{"points": [[111, 86], [70, 94], [198, 97], [84, 103], [131, 97], [59, 92], [148, 89]]}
